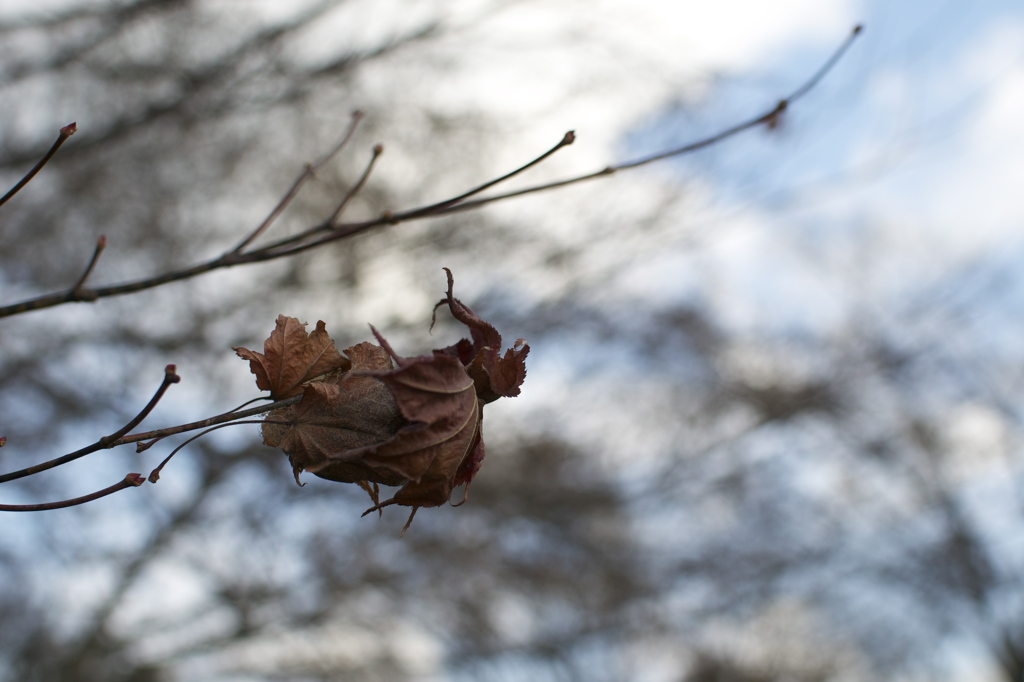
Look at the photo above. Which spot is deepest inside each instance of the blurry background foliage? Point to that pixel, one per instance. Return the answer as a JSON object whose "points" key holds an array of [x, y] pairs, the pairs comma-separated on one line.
{"points": [[771, 431]]}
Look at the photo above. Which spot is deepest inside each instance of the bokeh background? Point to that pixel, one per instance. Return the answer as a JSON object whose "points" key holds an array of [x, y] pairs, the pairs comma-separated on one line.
{"points": [[771, 429]]}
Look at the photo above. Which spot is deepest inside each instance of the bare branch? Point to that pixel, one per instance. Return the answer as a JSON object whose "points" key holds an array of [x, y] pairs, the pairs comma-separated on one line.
{"points": [[65, 132], [308, 172], [315, 236], [129, 481], [440, 207], [768, 118], [170, 377], [356, 188], [101, 244]]}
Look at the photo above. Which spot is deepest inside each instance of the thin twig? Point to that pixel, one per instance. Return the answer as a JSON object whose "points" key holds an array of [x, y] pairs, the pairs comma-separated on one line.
{"points": [[113, 440], [307, 240], [315, 236], [129, 481], [308, 172], [378, 149], [768, 117], [441, 206], [153, 436], [827, 66], [254, 400], [101, 244], [65, 132], [154, 475]]}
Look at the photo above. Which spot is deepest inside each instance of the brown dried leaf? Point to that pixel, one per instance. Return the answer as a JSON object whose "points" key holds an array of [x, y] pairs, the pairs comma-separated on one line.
{"points": [[378, 418], [342, 415], [437, 397], [410, 426], [291, 358]]}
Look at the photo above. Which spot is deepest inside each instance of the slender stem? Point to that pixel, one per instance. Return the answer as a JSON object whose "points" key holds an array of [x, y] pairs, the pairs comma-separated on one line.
{"points": [[827, 66], [566, 140], [154, 475], [101, 244], [170, 377], [159, 434], [766, 118], [307, 239], [129, 481], [65, 132], [459, 203], [356, 188], [254, 400]]}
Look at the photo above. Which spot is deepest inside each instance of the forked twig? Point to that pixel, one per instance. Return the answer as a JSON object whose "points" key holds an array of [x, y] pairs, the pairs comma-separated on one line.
{"points": [[308, 172], [119, 438], [65, 132]]}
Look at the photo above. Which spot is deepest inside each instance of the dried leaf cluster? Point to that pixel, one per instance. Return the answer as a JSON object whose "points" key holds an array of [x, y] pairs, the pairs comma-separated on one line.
{"points": [[371, 417]]}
